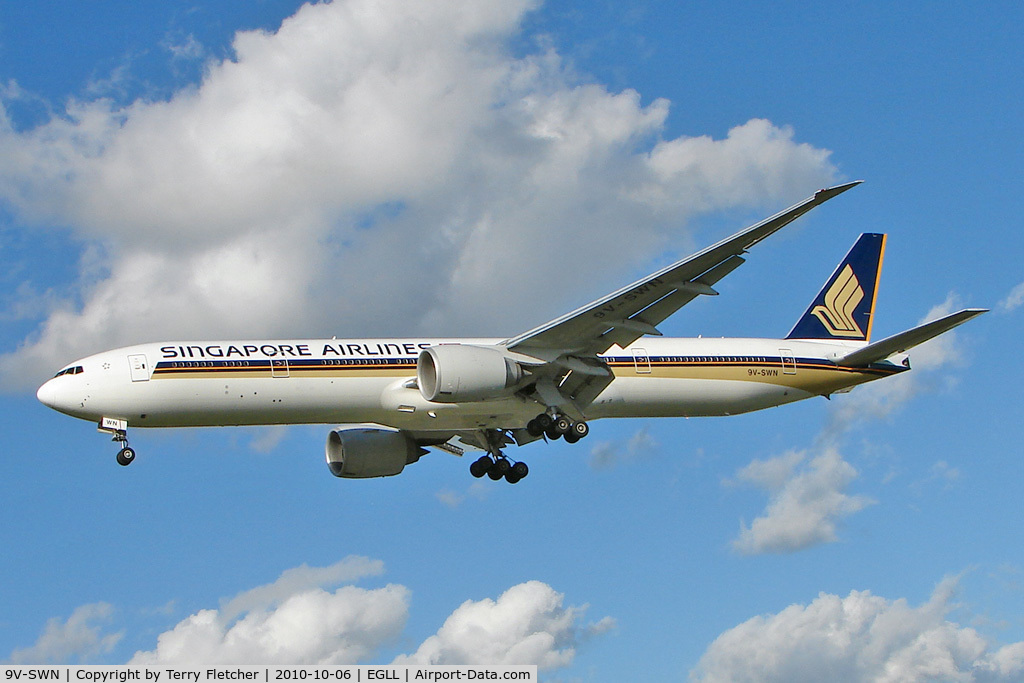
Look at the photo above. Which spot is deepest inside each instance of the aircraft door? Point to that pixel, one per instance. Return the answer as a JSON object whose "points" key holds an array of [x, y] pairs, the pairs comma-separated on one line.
{"points": [[279, 367], [788, 362], [641, 361], [139, 367]]}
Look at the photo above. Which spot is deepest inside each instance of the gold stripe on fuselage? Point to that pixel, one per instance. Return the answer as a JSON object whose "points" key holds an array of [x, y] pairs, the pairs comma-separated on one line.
{"points": [[810, 375]]}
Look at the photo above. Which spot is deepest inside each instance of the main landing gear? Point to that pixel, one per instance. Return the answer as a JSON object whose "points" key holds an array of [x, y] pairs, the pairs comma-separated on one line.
{"points": [[557, 427], [495, 464], [498, 468]]}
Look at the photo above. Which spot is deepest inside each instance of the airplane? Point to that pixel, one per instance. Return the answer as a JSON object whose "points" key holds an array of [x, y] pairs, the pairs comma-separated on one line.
{"points": [[395, 398]]}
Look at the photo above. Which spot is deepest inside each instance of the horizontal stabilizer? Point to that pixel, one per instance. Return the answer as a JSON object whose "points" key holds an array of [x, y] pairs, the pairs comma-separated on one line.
{"points": [[897, 343]]}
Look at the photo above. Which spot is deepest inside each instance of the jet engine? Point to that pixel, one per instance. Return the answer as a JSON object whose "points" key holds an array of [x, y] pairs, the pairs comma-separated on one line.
{"points": [[363, 452], [453, 373]]}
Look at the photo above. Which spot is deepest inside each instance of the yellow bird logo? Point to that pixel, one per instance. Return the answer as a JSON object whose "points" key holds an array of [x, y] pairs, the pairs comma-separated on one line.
{"points": [[841, 301]]}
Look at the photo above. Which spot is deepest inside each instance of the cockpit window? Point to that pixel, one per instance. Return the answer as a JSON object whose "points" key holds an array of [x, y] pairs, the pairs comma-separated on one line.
{"points": [[76, 370]]}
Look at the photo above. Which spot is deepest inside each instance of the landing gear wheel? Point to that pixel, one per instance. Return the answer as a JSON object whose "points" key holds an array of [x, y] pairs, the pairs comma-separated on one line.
{"points": [[533, 427], [125, 456], [563, 424], [570, 437], [580, 429], [544, 421], [517, 473], [499, 469], [552, 433], [480, 467]]}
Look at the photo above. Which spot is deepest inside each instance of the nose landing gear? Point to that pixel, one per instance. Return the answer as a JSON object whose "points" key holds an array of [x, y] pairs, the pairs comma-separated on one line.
{"points": [[125, 456], [118, 429]]}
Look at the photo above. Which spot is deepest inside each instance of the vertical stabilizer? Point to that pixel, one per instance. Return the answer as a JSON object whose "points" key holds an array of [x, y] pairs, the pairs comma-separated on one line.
{"points": [[845, 307]]}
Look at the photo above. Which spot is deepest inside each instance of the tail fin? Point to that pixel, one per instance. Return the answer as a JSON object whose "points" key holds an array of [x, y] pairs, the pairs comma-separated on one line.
{"points": [[845, 307]]}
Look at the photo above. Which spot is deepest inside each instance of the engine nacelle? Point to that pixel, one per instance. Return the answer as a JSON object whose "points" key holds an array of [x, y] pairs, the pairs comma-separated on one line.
{"points": [[453, 373], [363, 452]]}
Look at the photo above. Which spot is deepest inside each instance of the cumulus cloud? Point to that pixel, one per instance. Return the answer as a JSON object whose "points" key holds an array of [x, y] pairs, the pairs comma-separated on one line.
{"points": [[368, 156], [807, 500], [315, 627], [527, 624], [294, 619], [301, 579], [79, 638], [297, 619], [861, 637]]}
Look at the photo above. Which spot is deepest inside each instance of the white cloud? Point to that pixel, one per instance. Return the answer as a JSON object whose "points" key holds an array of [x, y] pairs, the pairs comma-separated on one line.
{"points": [[312, 627], [300, 579], [294, 619], [79, 638], [373, 167], [297, 620], [527, 624], [606, 454], [807, 500], [1014, 299], [453, 499], [861, 637], [266, 439]]}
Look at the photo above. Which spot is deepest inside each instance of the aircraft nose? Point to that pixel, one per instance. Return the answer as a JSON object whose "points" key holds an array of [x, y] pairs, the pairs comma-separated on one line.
{"points": [[47, 394]]}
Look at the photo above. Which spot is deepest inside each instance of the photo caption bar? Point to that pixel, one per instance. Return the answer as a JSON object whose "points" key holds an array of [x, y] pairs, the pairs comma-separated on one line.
{"points": [[123, 673]]}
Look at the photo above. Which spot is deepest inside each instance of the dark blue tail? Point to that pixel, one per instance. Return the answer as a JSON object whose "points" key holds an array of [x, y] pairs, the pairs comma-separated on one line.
{"points": [[845, 306]]}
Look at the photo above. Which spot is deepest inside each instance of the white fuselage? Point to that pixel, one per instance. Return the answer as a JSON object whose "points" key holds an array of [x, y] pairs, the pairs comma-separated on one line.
{"points": [[183, 384]]}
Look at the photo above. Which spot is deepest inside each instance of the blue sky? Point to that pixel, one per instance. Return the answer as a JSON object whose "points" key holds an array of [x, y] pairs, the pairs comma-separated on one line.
{"points": [[174, 170]]}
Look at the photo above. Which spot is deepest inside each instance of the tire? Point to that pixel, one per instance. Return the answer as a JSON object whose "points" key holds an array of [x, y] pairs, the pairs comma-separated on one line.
{"points": [[498, 469], [563, 425], [580, 429], [480, 466], [125, 456], [517, 473]]}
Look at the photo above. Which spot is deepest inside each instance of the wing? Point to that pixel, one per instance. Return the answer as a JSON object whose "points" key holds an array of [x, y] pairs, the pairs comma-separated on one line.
{"points": [[569, 345]]}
